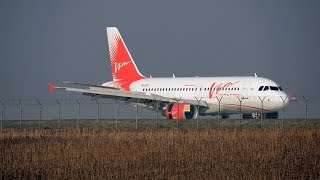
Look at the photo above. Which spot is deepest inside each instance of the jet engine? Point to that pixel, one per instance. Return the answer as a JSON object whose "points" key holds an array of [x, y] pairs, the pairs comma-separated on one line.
{"points": [[181, 111]]}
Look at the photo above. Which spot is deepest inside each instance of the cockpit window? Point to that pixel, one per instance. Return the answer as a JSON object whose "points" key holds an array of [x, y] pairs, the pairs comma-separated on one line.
{"points": [[266, 88], [280, 88], [260, 88], [274, 88]]}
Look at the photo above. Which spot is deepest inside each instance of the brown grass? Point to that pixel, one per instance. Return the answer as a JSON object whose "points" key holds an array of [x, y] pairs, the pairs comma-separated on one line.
{"points": [[208, 154]]}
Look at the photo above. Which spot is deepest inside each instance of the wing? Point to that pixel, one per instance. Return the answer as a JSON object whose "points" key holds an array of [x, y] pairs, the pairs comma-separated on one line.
{"points": [[88, 85], [152, 101]]}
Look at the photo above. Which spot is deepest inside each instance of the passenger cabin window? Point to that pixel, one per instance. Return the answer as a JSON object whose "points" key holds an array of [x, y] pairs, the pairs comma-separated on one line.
{"points": [[260, 88]]}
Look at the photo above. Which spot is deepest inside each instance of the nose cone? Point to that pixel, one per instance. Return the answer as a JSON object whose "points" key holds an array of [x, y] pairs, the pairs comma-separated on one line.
{"points": [[280, 101], [286, 102], [285, 98]]}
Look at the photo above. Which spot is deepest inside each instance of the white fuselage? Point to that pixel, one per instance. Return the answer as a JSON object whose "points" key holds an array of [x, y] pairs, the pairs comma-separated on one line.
{"points": [[217, 94], [228, 90]]}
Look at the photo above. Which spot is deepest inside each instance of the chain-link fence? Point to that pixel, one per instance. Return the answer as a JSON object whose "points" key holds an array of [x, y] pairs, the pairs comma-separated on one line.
{"points": [[105, 113]]}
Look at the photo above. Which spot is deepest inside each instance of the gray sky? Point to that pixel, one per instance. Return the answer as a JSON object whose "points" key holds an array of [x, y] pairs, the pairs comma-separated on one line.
{"points": [[45, 40]]}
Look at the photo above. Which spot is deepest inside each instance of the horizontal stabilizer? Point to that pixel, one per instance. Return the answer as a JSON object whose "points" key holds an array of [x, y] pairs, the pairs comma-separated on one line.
{"points": [[51, 87], [89, 85]]}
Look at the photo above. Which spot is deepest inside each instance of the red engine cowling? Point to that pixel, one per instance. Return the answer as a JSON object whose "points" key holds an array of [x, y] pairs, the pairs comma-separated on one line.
{"points": [[181, 111]]}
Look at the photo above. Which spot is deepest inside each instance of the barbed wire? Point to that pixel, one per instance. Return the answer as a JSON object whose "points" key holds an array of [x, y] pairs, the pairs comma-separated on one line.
{"points": [[90, 100]]}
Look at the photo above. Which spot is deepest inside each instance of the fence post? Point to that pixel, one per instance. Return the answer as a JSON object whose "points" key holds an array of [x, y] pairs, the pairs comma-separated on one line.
{"points": [[117, 114], [20, 104], [2, 110], [157, 113], [97, 117], [198, 101], [240, 115], [40, 113], [59, 103], [78, 118], [306, 100], [283, 101], [261, 115], [176, 99], [137, 112], [219, 100]]}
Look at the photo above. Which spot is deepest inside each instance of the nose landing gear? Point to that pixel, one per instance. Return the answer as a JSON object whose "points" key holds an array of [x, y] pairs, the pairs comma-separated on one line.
{"points": [[271, 115]]}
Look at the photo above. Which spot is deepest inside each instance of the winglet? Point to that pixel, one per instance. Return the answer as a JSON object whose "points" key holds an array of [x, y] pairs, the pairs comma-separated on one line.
{"points": [[51, 87]]}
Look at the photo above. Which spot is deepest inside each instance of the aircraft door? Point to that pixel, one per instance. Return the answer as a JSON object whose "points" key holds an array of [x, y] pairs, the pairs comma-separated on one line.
{"points": [[245, 90]]}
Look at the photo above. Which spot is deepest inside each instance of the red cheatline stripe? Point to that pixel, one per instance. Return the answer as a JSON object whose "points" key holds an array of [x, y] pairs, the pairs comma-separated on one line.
{"points": [[249, 107]]}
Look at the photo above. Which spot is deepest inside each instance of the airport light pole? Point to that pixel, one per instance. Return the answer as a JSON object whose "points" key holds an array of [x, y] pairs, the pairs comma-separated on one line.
{"points": [[283, 101], [198, 101], [306, 100], [219, 101], [40, 113], [261, 115]]}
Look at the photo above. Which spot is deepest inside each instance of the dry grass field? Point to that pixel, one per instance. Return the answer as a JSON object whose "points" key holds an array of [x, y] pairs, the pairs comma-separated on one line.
{"points": [[163, 154]]}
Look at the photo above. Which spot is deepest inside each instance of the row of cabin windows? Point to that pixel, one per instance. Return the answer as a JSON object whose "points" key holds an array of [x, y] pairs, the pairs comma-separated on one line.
{"points": [[272, 88], [189, 89]]}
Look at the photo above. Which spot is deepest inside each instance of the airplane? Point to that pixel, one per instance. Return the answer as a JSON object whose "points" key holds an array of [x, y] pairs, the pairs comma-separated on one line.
{"points": [[181, 98]]}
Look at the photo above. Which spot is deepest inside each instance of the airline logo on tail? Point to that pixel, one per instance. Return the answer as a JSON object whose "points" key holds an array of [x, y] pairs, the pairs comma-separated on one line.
{"points": [[124, 70], [118, 66]]}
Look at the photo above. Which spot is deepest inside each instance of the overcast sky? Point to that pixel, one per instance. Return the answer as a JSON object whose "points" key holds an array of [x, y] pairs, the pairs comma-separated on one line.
{"points": [[64, 40]]}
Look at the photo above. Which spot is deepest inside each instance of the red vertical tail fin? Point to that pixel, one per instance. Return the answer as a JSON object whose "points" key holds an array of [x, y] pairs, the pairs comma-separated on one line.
{"points": [[124, 70]]}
